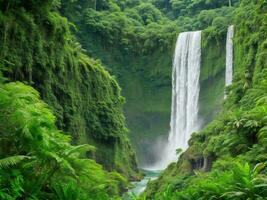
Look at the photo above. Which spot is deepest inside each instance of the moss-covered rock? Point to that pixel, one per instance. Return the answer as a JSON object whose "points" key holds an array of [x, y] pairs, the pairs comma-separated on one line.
{"points": [[146, 84], [212, 76]]}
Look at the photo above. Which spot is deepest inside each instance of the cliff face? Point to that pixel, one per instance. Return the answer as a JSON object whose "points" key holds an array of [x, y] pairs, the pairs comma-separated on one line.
{"points": [[146, 84], [142, 66], [212, 76], [38, 48]]}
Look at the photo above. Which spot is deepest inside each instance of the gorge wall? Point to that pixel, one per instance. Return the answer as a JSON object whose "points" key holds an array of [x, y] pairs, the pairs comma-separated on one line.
{"points": [[37, 47], [212, 76]]}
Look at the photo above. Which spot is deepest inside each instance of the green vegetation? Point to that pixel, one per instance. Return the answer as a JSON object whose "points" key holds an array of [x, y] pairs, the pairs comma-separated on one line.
{"points": [[212, 76], [35, 155], [37, 160], [227, 159], [38, 48], [135, 39], [233, 181], [63, 133], [135, 43]]}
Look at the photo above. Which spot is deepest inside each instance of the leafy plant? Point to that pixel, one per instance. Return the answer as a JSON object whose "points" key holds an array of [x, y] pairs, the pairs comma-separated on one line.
{"points": [[38, 155]]}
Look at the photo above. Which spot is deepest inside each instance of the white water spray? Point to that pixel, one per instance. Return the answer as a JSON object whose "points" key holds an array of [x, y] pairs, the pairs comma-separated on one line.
{"points": [[229, 56], [185, 95]]}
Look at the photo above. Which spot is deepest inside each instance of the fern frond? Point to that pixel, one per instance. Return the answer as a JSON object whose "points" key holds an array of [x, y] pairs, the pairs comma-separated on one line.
{"points": [[79, 149], [11, 161]]}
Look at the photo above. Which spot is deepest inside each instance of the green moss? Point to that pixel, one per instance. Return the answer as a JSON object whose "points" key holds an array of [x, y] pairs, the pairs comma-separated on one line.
{"points": [[146, 84], [212, 76]]}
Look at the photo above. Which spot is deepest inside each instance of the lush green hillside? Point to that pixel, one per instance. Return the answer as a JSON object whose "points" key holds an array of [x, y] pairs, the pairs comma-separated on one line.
{"points": [[234, 143], [37, 48]]}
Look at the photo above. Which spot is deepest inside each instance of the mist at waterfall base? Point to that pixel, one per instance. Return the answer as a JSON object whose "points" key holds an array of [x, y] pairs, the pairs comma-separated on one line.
{"points": [[185, 99]]}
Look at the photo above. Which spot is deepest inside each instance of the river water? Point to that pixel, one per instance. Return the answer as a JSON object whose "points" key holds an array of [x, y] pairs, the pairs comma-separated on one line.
{"points": [[139, 187]]}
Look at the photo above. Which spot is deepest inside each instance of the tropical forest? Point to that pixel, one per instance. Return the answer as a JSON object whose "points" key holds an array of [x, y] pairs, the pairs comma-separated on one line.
{"points": [[133, 99]]}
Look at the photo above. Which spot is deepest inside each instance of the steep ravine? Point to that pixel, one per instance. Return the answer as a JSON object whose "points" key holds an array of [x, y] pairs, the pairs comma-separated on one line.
{"points": [[145, 79]]}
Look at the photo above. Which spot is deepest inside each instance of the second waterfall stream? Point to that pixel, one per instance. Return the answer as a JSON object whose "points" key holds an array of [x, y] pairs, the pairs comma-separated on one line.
{"points": [[185, 95], [229, 56]]}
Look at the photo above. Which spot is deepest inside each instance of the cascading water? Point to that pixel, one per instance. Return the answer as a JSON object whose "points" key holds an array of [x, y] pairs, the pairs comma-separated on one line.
{"points": [[229, 56], [185, 94]]}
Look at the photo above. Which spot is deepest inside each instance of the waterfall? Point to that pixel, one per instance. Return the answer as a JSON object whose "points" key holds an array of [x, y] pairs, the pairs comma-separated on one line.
{"points": [[185, 94], [229, 56]]}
